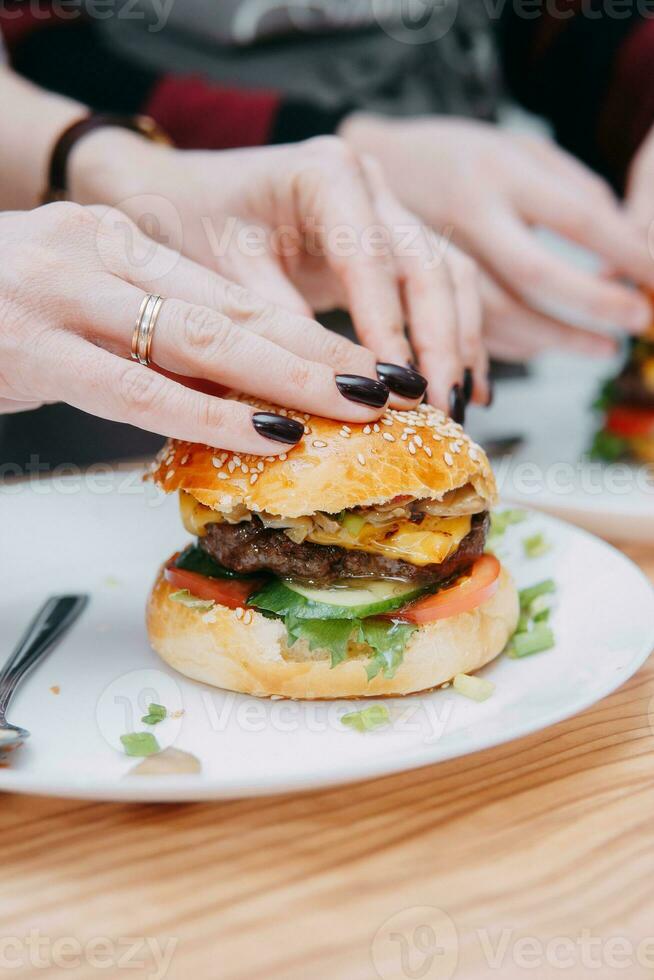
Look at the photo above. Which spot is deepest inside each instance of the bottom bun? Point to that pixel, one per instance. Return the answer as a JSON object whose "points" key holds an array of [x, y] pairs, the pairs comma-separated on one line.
{"points": [[250, 654]]}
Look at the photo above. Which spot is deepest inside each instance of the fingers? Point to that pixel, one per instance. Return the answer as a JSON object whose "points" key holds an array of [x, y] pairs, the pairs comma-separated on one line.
{"points": [[432, 313], [197, 342], [441, 298], [296, 332], [467, 296], [97, 381], [600, 225], [546, 281], [8, 406], [356, 246], [186, 280], [513, 332], [562, 164]]}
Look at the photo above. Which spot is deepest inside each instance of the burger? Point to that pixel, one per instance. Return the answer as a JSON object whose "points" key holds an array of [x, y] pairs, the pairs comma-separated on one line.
{"points": [[352, 565], [627, 404]]}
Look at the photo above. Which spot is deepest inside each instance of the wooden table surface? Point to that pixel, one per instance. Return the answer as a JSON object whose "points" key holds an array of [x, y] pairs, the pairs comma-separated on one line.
{"points": [[534, 859]]}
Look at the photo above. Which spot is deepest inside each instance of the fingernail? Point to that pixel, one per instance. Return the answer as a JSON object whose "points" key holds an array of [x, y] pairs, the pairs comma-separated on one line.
{"points": [[468, 384], [277, 427], [457, 404], [402, 380], [491, 392], [362, 390]]}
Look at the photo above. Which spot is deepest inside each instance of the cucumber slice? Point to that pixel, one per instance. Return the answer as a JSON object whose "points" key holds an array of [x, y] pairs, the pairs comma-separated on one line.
{"points": [[362, 594], [353, 602]]}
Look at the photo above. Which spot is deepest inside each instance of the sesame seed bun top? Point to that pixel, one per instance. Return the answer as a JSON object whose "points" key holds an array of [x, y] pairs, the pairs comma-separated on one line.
{"points": [[420, 453]]}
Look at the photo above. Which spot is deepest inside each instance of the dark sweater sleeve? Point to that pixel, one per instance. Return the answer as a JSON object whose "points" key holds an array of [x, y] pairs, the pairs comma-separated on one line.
{"points": [[587, 67], [67, 56]]}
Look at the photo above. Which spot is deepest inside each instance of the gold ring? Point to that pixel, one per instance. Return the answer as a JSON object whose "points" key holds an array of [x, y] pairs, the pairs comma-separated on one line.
{"points": [[146, 321]]}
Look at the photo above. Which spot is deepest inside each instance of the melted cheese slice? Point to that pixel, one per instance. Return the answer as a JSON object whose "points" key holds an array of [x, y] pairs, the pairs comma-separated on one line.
{"points": [[430, 542]]}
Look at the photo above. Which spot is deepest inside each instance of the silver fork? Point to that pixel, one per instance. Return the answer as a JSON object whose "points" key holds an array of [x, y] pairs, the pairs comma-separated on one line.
{"points": [[48, 627]]}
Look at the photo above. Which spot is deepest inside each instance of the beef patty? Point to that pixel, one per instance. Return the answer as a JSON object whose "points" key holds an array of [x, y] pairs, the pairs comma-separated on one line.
{"points": [[250, 547]]}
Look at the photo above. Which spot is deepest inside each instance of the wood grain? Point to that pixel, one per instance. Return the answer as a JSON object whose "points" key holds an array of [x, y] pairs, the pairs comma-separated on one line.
{"points": [[518, 847]]}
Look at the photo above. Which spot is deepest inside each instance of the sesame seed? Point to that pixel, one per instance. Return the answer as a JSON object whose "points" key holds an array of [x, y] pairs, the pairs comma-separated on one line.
{"points": [[388, 437], [361, 458], [375, 428], [231, 466], [346, 428], [428, 451], [367, 430], [184, 459], [223, 476], [418, 441], [448, 459], [260, 466], [247, 618], [254, 478], [386, 421], [404, 437], [244, 468], [282, 456], [319, 444], [237, 460], [412, 449], [239, 613]]}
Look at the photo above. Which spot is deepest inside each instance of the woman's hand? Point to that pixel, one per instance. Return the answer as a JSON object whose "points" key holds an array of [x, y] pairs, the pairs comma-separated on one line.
{"points": [[72, 280], [310, 227], [491, 188]]}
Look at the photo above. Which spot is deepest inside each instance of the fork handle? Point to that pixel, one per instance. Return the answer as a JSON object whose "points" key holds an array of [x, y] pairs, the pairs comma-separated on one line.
{"points": [[54, 619]]}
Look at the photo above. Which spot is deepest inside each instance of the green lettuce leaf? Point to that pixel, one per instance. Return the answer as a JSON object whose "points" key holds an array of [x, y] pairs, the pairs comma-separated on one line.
{"points": [[389, 641], [326, 634]]}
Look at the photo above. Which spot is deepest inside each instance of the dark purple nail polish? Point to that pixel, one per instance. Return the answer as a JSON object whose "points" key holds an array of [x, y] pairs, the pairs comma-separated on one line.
{"points": [[403, 381], [362, 390], [468, 384], [457, 404], [278, 427]]}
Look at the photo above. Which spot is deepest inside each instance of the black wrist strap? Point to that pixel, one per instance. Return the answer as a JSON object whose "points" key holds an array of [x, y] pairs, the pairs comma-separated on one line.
{"points": [[57, 189]]}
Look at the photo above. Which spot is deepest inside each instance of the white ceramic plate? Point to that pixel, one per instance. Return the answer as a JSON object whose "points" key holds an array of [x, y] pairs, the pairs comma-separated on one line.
{"points": [[551, 470], [106, 535]]}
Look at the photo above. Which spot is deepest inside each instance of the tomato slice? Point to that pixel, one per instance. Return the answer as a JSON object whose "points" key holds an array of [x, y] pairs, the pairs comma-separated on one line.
{"points": [[227, 592], [629, 421], [470, 591]]}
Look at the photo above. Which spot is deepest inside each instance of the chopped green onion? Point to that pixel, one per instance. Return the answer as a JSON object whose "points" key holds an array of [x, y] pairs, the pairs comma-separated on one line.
{"points": [[501, 519], [156, 713], [539, 609], [140, 744], [528, 595], [535, 640], [185, 598], [535, 546], [476, 688], [523, 622], [368, 719]]}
